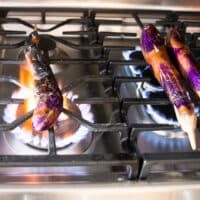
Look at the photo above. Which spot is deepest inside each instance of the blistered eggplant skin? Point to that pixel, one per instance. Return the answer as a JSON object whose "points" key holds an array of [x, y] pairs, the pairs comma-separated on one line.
{"points": [[151, 38], [155, 54], [49, 106], [48, 95], [172, 87], [187, 63]]}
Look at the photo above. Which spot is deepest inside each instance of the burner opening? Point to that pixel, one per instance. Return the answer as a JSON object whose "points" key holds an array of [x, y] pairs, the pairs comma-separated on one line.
{"points": [[67, 130], [150, 113], [64, 127], [46, 44]]}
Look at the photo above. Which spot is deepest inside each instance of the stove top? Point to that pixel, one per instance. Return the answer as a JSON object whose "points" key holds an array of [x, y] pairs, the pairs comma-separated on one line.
{"points": [[124, 128]]}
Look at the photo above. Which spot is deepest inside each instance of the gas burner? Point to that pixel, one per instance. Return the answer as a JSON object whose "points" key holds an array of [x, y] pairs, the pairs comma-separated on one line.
{"points": [[159, 141], [67, 130], [155, 141], [159, 113], [152, 89], [49, 46], [96, 55]]}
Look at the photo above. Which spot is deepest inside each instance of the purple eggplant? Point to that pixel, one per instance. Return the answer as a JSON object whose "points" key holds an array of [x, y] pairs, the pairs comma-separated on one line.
{"points": [[156, 55], [187, 63], [48, 95]]}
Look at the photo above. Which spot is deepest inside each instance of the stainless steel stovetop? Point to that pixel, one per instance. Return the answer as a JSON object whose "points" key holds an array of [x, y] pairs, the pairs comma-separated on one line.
{"points": [[125, 139]]}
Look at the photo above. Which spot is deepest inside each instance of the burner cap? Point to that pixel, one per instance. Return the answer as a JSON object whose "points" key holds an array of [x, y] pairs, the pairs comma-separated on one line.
{"points": [[46, 43]]}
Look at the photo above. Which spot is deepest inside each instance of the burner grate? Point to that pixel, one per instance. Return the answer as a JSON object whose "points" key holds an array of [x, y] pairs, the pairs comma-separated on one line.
{"points": [[96, 39]]}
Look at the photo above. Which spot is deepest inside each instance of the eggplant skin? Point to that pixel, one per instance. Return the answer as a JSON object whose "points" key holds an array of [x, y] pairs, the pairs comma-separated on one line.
{"points": [[187, 63], [194, 77], [173, 88], [151, 38], [156, 54], [49, 103], [47, 111], [49, 99]]}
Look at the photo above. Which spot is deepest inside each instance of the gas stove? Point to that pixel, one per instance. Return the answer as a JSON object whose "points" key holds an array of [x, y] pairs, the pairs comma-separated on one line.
{"points": [[119, 125]]}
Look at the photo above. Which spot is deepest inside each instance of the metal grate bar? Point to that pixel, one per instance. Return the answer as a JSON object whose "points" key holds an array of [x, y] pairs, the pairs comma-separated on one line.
{"points": [[73, 160], [145, 101], [12, 61], [71, 45], [10, 79], [17, 122], [25, 23], [127, 62], [11, 46], [11, 101], [177, 23], [118, 80], [114, 80], [11, 32], [104, 127], [109, 47], [119, 34], [153, 127], [150, 161], [97, 100], [125, 101], [79, 33], [57, 61], [138, 21], [52, 143]]}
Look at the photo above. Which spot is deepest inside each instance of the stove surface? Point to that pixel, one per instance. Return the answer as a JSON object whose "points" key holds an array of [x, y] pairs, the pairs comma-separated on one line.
{"points": [[109, 4], [96, 58]]}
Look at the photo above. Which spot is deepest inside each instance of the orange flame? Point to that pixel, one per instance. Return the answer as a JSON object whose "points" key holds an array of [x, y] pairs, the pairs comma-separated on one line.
{"points": [[64, 127], [26, 78]]}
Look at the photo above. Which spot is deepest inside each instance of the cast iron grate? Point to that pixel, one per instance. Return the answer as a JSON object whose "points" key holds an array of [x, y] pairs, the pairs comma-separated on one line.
{"points": [[95, 43]]}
